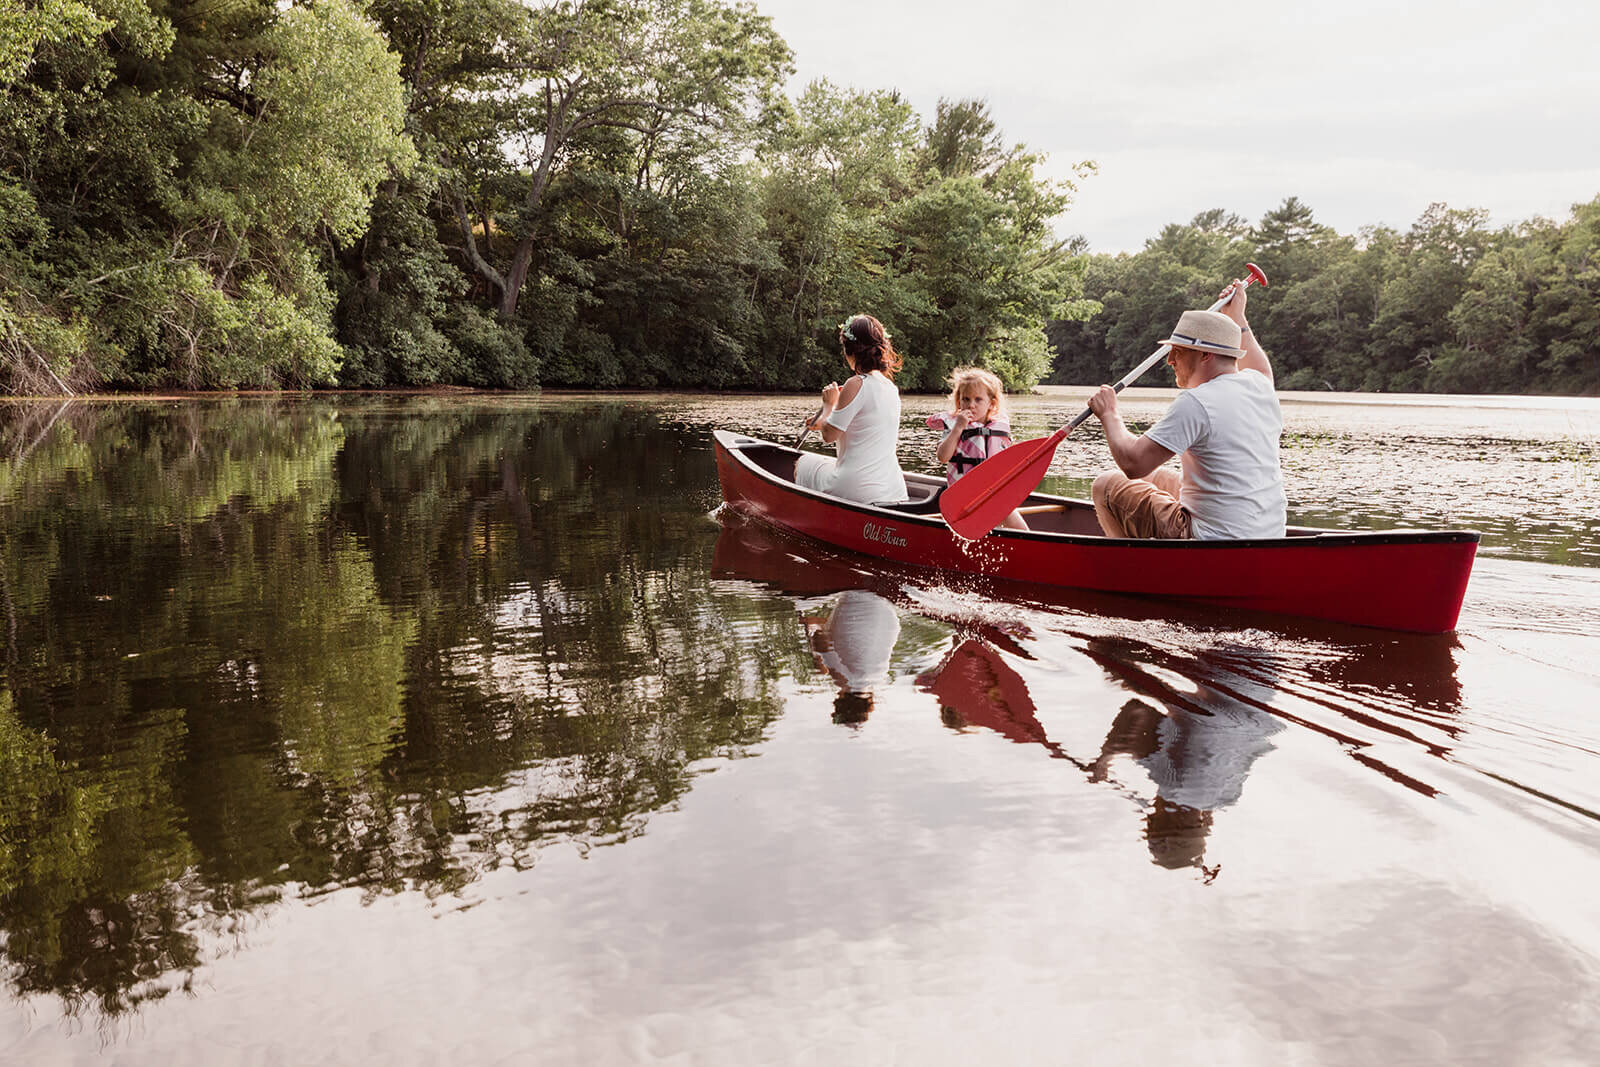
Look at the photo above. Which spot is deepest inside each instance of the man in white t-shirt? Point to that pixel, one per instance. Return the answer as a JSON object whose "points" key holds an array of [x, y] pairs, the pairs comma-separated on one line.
{"points": [[1225, 424]]}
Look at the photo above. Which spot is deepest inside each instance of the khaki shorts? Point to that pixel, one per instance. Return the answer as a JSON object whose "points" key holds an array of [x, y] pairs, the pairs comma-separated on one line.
{"points": [[1147, 510]]}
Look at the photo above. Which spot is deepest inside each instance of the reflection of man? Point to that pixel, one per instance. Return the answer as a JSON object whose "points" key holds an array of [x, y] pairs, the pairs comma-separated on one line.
{"points": [[854, 645], [1198, 762]]}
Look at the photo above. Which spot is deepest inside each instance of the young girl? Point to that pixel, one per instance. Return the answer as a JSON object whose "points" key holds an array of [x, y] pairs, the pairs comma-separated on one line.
{"points": [[976, 428]]}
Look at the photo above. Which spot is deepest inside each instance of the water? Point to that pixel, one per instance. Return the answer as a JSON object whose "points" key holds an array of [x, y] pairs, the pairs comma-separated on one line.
{"points": [[460, 729]]}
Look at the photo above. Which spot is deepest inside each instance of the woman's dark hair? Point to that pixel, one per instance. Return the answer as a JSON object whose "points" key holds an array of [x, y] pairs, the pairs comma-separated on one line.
{"points": [[866, 342], [852, 709]]}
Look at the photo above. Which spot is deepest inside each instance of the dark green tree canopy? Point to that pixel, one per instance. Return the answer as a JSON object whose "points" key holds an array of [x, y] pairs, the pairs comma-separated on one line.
{"points": [[1450, 305]]}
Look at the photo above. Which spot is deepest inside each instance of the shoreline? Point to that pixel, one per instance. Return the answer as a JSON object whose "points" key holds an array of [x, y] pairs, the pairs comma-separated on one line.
{"points": [[1508, 401]]}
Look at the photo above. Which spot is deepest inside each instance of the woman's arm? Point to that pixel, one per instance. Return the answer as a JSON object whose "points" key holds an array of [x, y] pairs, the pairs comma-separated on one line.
{"points": [[842, 398]]}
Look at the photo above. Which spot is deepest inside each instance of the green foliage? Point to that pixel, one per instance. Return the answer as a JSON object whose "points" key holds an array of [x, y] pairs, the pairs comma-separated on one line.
{"points": [[321, 127], [25, 28], [565, 80], [397, 292], [1448, 306], [941, 232], [617, 193], [1568, 304], [271, 646], [493, 355], [176, 183]]}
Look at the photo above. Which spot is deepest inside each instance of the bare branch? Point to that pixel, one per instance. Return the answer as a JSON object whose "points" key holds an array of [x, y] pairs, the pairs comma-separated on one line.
{"points": [[481, 265]]}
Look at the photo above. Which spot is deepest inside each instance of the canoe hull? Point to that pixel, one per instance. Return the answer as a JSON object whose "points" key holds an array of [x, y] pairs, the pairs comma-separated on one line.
{"points": [[1399, 580]]}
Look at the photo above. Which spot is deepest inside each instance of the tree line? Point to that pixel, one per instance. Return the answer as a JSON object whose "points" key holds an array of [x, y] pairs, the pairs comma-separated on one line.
{"points": [[1449, 306], [621, 193], [238, 193]]}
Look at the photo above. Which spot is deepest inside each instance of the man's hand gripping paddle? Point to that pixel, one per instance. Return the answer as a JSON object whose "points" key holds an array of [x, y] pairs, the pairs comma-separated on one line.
{"points": [[989, 492]]}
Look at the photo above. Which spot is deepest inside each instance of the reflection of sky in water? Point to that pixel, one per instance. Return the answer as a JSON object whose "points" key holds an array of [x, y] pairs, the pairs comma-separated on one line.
{"points": [[1159, 834]]}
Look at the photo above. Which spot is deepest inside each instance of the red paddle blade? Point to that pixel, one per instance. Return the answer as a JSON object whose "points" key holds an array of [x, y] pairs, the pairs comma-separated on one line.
{"points": [[982, 499]]}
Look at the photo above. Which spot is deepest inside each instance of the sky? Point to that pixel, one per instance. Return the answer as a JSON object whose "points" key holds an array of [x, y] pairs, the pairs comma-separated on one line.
{"points": [[1368, 112]]}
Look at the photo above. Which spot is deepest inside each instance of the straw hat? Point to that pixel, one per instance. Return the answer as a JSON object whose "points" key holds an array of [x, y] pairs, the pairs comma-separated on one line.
{"points": [[1207, 331]]}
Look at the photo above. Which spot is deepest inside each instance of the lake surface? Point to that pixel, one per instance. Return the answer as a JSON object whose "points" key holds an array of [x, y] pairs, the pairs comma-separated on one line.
{"points": [[466, 729]]}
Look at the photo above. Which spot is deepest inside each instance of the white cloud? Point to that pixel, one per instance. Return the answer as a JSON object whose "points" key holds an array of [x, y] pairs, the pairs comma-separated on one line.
{"points": [[1366, 111]]}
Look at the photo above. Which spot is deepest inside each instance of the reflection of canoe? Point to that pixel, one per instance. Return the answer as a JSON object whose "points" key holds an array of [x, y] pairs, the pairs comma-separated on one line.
{"points": [[1397, 579], [1387, 685], [975, 686]]}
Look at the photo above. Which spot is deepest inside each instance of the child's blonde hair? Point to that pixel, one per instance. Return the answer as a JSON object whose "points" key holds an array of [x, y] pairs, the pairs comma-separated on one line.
{"points": [[962, 377]]}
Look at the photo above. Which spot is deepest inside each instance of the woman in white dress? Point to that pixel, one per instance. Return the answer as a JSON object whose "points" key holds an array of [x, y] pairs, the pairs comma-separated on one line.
{"points": [[863, 417]]}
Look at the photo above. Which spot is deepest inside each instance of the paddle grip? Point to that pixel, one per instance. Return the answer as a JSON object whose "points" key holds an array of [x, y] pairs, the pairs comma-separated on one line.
{"points": [[1252, 274]]}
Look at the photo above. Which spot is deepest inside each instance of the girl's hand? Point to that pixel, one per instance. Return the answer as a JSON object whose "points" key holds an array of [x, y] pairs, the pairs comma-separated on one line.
{"points": [[962, 418]]}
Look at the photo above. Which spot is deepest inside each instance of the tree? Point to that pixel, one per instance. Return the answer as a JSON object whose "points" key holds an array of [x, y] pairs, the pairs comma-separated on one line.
{"points": [[184, 172], [833, 168], [26, 28], [566, 70], [963, 140], [1568, 306], [1425, 274]]}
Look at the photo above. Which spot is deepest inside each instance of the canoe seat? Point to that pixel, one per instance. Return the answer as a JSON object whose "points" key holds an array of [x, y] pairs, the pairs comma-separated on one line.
{"points": [[924, 500]]}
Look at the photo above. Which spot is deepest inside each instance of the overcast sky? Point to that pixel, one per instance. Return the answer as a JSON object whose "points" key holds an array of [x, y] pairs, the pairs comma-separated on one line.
{"points": [[1368, 112]]}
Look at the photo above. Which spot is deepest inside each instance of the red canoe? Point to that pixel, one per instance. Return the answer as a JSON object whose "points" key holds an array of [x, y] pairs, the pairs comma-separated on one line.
{"points": [[1394, 579]]}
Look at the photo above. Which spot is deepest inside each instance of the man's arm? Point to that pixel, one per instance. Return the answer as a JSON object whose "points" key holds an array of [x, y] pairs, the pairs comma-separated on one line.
{"points": [[1134, 456], [1255, 357]]}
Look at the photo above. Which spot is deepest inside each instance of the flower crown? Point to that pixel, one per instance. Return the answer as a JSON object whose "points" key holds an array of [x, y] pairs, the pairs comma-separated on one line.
{"points": [[848, 335]]}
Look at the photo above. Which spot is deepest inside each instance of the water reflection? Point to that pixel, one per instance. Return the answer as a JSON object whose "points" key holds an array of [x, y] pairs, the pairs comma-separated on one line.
{"points": [[263, 649], [1203, 709], [853, 643], [1196, 746], [1197, 752], [977, 689], [259, 652]]}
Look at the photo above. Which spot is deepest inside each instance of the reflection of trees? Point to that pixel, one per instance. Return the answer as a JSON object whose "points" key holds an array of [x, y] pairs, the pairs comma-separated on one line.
{"points": [[388, 645]]}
